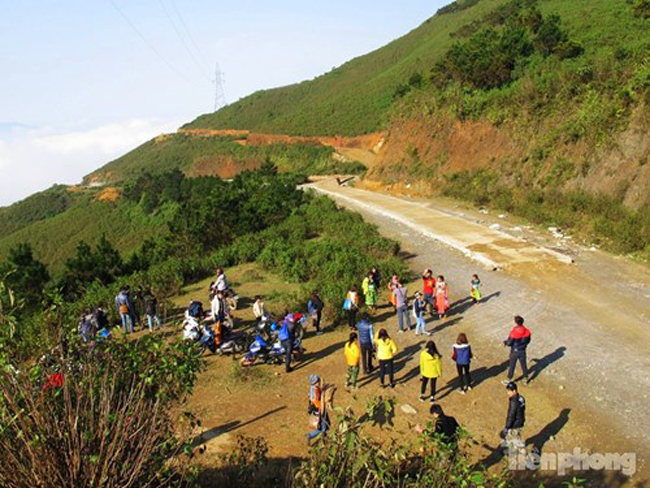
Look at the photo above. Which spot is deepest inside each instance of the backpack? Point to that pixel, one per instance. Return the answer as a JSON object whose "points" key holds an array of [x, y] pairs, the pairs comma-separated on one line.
{"points": [[195, 309], [284, 334]]}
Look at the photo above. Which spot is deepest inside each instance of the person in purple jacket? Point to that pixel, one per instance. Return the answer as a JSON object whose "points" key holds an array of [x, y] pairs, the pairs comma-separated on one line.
{"points": [[462, 355]]}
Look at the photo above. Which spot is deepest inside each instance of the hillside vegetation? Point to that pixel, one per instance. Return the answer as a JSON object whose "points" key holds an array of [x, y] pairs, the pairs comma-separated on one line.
{"points": [[539, 108], [223, 156], [357, 96]]}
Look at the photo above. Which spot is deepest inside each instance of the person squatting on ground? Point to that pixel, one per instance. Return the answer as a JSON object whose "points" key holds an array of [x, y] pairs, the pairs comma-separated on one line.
{"points": [[444, 426], [370, 292], [351, 305], [518, 341], [352, 357], [419, 306], [428, 286], [402, 305], [386, 350], [317, 409], [462, 356], [430, 370], [366, 343], [515, 420], [315, 309]]}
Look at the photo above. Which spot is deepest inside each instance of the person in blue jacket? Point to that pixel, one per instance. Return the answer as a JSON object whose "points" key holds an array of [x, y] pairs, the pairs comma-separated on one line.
{"points": [[462, 355], [366, 342]]}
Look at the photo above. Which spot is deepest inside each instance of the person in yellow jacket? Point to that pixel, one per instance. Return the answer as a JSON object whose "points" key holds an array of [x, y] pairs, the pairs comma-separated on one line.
{"points": [[352, 357], [430, 369], [386, 350]]}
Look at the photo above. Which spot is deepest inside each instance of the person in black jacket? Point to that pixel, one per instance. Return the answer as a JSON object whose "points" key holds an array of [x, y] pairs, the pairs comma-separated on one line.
{"points": [[444, 426], [515, 420]]}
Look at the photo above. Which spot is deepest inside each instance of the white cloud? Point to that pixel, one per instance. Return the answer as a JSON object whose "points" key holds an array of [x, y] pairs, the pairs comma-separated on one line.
{"points": [[34, 159]]}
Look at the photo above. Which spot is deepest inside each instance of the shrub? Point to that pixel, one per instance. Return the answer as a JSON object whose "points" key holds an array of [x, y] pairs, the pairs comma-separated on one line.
{"points": [[349, 457], [104, 422]]}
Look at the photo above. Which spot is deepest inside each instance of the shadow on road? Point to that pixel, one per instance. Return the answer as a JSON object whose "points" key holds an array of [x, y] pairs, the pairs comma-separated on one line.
{"points": [[543, 363], [552, 429]]}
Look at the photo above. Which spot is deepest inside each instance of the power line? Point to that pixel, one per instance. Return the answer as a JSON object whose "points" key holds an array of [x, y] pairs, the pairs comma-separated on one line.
{"points": [[146, 41], [187, 31], [185, 45]]}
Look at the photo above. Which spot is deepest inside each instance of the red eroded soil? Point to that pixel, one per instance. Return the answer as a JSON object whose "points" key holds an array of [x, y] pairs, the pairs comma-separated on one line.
{"points": [[366, 142], [222, 166]]}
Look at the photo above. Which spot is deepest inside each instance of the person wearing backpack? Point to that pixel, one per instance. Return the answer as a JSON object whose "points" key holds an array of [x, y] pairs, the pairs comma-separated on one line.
{"points": [[402, 304], [462, 356], [315, 309], [351, 305], [124, 309], [286, 336], [419, 306]]}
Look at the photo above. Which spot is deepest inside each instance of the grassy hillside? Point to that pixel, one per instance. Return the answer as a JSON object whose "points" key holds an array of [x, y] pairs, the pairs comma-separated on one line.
{"points": [[223, 156], [54, 239], [357, 96], [351, 99]]}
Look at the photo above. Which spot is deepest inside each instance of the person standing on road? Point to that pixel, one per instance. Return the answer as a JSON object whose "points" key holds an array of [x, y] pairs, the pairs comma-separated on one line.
{"points": [[430, 370], [392, 284], [518, 341], [287, 336], [259, 309], [462, 356], [370, 292], [366, 343], [124, 309], [428, 285], [151, 309], [475, 293], [402, 305], [315, 308], [386, 350], [442, 296], [222, 283], [352, 306], [418, 312], [376, 277], [352, 357], [515, 421]]}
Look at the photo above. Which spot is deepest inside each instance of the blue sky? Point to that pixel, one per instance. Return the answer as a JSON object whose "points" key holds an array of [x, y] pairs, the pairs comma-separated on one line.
{"points": [[79, 85]]}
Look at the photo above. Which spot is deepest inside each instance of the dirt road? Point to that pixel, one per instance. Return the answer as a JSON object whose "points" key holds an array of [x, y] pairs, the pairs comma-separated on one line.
{"points": [[590, 320]]}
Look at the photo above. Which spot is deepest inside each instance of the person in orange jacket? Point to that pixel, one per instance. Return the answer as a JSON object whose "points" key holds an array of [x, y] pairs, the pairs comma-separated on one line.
{"points": [[352, 357]]}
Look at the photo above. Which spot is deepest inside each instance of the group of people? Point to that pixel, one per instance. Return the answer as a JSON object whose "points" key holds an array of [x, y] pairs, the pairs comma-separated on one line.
{"points": [[364, 345], [131, 308]]}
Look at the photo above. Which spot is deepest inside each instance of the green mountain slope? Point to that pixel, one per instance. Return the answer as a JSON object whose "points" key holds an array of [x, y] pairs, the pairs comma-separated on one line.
{"points": [[55, 238], [357, 97]]}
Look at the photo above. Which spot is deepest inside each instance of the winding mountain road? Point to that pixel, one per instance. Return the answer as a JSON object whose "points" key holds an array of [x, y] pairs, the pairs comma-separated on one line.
{"points": [[590, 320]]}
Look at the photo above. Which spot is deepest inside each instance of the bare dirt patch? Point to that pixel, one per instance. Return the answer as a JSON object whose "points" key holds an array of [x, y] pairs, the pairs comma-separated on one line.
{"points": [[109, 194]]}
